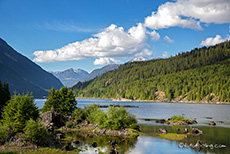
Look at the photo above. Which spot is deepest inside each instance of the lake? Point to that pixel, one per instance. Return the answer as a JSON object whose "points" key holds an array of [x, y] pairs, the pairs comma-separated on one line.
{"points": [[150, 144]]}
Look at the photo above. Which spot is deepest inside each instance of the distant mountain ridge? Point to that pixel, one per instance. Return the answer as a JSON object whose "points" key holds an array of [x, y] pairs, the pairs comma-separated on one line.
{"points": [[23, 75], [71, 76]]}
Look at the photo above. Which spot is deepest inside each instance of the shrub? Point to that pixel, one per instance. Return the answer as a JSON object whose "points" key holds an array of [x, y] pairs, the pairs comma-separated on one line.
{"points": [[93, 113], [113, 118], [117, 118], [19, 110], [35, 131], [4, 132], [79, 113]]}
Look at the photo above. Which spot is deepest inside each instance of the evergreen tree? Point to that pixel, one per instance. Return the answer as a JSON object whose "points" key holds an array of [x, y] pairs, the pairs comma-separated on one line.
{"points": [[19, 110], [4, 96], [62, 101]]}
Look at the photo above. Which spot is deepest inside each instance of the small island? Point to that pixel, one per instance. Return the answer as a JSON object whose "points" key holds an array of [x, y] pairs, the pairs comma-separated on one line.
{"points": [[177, 120]]}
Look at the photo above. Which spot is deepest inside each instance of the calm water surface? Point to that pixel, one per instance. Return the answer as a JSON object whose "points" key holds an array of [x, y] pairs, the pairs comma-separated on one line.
{"points": [[150, 144]]}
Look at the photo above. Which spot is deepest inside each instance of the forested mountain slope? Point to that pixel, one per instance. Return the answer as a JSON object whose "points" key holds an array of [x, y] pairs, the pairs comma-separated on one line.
{"points": [[201, 74]]}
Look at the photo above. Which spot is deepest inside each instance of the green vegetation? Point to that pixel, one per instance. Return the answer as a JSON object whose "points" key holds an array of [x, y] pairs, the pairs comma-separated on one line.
{"points": [[176, 119], [173, 136], [41, 150], [4, 132], [35, 131], [4, 95], [62, 101], [18, 110], [188, 76], [114, 118]]}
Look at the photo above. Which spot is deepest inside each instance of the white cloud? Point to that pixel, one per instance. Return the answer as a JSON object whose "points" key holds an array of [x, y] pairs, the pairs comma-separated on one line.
{"points": [[165, 54], [111, 42], [154, 35], [167, 39], [212, 41], [189, 14], [105, 61]]}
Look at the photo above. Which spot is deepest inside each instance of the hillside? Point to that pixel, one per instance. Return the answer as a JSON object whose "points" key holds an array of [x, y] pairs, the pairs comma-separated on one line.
{"points": [[23, 75], [199, 75]]}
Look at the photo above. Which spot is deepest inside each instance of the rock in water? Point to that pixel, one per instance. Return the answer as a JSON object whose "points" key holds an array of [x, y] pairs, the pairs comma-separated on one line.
{"points": [[212, 123], [163, 131], [196, 131]]}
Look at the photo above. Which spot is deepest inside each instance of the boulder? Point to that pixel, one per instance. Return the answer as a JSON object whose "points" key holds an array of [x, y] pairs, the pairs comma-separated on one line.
{"points": [[163, 131], [53, 120], [185, 131], [94, 144], [196, 131], [212, 123], [160, 121], [198, 144]]}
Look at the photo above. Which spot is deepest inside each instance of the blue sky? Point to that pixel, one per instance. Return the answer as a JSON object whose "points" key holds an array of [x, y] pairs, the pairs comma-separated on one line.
{"points": [[89, 34]]}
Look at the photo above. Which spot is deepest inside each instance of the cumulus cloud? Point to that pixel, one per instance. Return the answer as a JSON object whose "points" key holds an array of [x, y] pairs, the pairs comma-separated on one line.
{"points": [[165, 54], [112, 42], [212, 41], [105, 61], [154, 35], [167, 39], [189, 14]]}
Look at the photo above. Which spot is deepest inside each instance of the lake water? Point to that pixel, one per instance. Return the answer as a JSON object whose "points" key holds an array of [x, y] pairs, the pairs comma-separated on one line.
{"points": [[150, 144]]}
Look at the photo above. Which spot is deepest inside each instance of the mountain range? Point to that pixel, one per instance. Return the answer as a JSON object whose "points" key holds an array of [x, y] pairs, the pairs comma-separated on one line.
{"points": [[71, 76], [23, 75]]}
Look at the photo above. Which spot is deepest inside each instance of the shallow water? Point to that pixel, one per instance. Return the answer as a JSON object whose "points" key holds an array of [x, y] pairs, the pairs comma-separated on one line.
{"points": [[150, 144]]}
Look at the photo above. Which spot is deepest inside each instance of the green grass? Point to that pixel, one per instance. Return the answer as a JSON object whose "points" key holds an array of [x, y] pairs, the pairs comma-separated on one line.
{"points": [[42, 151], [173, 136], [176, 119]]}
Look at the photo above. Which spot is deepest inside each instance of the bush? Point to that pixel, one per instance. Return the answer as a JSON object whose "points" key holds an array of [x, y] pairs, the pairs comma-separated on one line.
{"points": [[19, 110], [79, 113], [113, 118], [117, 118], [4, 132], [35, 131]]}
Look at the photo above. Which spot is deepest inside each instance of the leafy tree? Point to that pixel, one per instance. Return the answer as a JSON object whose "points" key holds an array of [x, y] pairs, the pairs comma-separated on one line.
{"points": [[19, 110], [62, 101]]}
